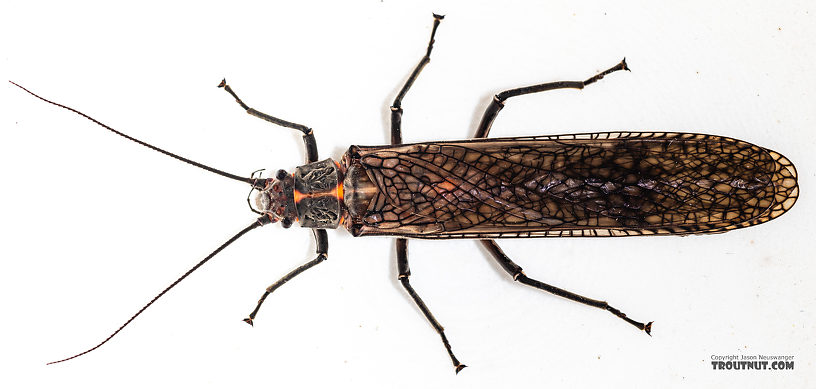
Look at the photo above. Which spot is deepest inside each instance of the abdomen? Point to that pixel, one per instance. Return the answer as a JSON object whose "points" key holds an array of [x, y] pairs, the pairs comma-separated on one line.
{"points": [[601, 184]]}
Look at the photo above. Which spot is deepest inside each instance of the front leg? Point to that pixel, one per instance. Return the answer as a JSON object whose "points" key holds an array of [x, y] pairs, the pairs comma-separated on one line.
{"points": [[322, 249], [308, 134]]}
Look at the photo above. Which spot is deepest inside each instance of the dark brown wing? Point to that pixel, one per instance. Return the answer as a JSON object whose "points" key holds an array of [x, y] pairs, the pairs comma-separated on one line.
{"points": [[601, 184]]}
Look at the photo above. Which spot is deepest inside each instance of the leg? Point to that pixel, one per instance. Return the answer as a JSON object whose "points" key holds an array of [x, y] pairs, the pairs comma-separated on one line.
{"points": [[498, 101], [402, 244], [308, 134], [396, 108], [518, 275], [322, 243], [404, 273]]}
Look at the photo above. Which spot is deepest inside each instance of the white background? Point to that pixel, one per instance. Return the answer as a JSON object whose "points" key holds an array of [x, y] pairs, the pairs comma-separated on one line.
{"points": [[93, 226]]}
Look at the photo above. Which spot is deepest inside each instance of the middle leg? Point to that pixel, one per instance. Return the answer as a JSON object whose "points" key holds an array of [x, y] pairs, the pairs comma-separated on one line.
{"points": [[402, 243], [404, 274], [396, 107]]}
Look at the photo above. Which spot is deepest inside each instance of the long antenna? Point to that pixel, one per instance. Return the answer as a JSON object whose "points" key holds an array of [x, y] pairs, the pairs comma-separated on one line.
{"points": [[258, 223], [128, 137]]}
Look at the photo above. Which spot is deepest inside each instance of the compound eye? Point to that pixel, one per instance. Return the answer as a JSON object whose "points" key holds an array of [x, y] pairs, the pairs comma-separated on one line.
{"points": [[286, 222], [281, 174]]}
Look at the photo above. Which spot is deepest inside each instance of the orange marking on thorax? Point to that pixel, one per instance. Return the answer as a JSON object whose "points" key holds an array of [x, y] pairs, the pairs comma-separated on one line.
{"points": [[336, 192]]}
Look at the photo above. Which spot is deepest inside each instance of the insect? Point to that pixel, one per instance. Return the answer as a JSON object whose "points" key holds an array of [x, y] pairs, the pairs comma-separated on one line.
{"points": [[595, 184]]}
